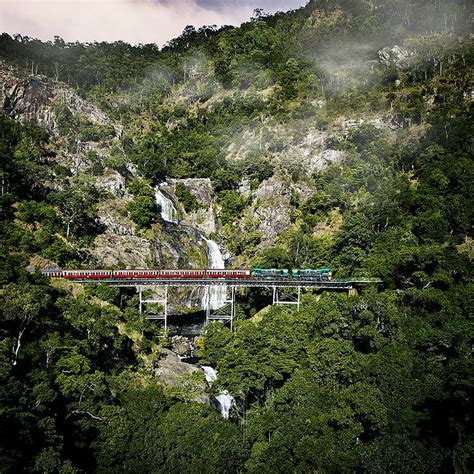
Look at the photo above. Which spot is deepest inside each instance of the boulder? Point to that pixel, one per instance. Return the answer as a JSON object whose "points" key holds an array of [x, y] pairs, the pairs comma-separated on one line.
{"points": [[172, 372]]}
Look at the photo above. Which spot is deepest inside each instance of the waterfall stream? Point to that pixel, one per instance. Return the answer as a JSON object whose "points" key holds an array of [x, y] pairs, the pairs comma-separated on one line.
{"points": [[217, 294], [224, 400], [168, 211]]}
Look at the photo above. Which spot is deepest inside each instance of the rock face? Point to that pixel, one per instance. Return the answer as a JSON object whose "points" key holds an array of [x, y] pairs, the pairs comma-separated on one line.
{"points": [[65, 115], [272, 208], [170, 366], [172, 371], [299, 148], [296, 149], [395, 55], [35, 98], [28, 99], [311, 153], [183, 346], [164, 246], [203, 218], [50, 104], [112, 216], [113, 182], [127, 251]]}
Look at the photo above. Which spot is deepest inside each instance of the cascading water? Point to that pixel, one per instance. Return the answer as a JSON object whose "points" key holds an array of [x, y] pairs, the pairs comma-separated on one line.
{"points": [[168, 211], [217, 294], [224, 400]]}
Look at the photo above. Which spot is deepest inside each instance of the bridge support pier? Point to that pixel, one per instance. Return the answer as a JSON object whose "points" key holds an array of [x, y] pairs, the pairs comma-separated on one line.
{"points": [[277, 298], [226, 313], [157, 298]]}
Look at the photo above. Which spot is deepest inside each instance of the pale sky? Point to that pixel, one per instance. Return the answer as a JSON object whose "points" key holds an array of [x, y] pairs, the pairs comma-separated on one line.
{"points": [[133, 21]]}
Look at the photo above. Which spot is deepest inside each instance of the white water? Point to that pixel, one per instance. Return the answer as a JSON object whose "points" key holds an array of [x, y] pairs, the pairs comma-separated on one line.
{"points": [[168, 211], [217, 294], [224, 400]]}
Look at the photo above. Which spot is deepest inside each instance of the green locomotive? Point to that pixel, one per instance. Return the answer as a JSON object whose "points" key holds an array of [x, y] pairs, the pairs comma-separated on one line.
{"points": [[319, 273], [270, 272]]}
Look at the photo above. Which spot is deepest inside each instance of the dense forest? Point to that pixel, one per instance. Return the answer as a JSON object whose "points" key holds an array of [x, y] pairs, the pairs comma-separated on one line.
{"points": [[379, 382]]}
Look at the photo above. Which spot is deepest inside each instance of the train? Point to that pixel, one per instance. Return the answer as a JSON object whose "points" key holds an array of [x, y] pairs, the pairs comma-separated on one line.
{"points": [[319, 273], [147, 274]]}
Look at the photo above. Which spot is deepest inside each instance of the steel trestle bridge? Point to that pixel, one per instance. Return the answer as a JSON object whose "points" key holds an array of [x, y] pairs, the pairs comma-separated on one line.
{"points": [[279, 286], [253, 282]]}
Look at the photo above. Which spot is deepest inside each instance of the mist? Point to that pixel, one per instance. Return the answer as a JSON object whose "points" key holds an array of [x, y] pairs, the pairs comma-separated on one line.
{"points": [[347, 62], [132, 21]]}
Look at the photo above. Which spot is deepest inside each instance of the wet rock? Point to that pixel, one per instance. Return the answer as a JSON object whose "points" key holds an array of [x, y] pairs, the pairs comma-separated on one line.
{"points": [[172, 372], [184, 347]]}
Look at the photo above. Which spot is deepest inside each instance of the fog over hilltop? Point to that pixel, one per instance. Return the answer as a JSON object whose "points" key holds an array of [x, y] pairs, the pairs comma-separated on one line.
{"points": [[133, 21]]}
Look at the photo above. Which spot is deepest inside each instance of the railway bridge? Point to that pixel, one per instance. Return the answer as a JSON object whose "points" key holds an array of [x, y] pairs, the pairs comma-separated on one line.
{"points": [[285, 290]]}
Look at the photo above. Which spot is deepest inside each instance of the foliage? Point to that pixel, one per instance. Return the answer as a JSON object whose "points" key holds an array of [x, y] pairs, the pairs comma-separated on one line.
{"points": [[22, 158], [142, 209], [186, 198], [232, 204], [380, 382]]}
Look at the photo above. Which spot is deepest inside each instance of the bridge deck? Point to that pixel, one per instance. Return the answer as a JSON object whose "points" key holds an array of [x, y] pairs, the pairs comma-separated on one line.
{"points": [[244, 282]]}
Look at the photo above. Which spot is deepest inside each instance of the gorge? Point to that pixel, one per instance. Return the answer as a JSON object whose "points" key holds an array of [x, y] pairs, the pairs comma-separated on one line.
{"points": [[337, 135]]}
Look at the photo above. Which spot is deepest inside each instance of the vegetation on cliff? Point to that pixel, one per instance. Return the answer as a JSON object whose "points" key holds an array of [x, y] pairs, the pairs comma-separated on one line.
{"points": [[381, 382]]}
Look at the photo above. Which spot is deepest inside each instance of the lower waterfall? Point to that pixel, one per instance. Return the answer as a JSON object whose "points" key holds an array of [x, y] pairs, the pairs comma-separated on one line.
{"points": [[224, 400], [217, 294]]}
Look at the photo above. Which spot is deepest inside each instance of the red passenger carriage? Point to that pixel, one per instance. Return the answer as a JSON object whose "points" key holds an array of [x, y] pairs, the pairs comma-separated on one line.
{"points": [[146, 274]]}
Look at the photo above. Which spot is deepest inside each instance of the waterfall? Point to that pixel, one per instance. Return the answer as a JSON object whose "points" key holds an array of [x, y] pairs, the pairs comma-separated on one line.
{"points": [[216, 260], [218, 293], [168, 211], [224, 400]]}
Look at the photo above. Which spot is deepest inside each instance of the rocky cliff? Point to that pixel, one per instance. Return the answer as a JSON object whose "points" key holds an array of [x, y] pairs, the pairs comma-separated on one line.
{"points": [[88, 142], [83, 136]]}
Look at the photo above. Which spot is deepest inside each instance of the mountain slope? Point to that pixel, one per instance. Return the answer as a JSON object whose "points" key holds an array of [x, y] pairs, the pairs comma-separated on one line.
{"points": [[337, 134]]}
